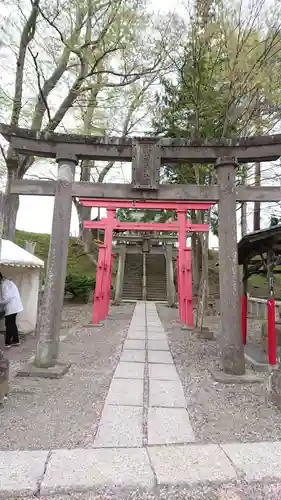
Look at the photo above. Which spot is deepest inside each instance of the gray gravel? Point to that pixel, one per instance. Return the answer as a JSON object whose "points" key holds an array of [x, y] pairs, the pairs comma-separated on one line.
{"points": [[218, 412], [244, 491], [43, 414]]}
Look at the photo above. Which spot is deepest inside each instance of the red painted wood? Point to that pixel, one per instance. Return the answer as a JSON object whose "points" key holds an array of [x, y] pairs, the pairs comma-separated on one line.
{"points": [[146, 204], [108, 260], [181, 263], [271, 331], [188, 304], [98, 295]]}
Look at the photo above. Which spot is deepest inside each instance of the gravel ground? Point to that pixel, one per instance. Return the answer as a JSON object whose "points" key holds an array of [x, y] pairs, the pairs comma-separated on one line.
{"points": [[44, 413], [252, 491], [219, 413]]}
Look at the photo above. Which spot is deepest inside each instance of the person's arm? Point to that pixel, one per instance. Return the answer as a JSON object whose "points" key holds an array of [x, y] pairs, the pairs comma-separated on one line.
{"points": [[6, 294]]}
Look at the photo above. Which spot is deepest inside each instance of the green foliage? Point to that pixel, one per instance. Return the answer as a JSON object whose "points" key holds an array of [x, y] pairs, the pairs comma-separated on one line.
{"points": [[139, 215], [79, 286], [78, 263], [226, 84]]}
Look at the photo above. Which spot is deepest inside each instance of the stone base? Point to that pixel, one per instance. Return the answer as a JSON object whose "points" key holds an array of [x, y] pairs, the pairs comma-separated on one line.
{"points": [[94, 325], [257, 359], [227, 378], [205, 333], [186, 328], [55, 372]]}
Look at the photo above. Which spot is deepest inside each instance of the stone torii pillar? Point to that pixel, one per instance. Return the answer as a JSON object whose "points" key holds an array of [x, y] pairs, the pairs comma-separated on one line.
{"points": [[231, 345], [48, 328]]}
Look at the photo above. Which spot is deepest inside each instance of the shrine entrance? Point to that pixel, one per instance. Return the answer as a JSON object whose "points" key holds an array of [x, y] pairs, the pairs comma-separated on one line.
{"points": [[181, 225], [147, 156]]}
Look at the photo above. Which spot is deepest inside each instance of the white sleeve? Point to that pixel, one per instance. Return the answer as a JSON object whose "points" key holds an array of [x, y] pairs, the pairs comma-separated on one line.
{"points": [[6, 292]]}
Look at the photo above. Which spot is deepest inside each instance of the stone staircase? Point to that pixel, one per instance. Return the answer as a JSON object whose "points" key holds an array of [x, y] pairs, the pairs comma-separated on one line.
{"points": [[156, 277], [132, 285]]}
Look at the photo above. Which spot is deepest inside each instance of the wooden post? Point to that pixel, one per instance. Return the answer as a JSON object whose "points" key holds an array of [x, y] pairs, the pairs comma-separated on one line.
{"points": [[232, 350], [171, 299], [244, 304], [51, 308], [120, 273], [181, 216], [144, 277]]}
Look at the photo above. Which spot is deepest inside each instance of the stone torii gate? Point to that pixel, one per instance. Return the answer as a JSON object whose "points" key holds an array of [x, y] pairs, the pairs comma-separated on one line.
{"points": [[147, 156]]}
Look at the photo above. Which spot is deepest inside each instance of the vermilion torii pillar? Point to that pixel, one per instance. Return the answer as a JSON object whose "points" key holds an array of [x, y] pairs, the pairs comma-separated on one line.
{"points": [[182, 225]]}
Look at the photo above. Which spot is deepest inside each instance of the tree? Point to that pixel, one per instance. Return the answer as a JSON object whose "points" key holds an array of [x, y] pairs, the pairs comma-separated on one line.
{"points": [[67, 57], [225, 85]]}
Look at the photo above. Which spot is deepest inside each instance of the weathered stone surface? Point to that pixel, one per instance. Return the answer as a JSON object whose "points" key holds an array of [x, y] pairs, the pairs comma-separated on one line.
{"points": [[230, 338], [21, 472], [89, 469], [162, 372], [129, 370], [31, 370], [169, 426], [120, 426], [256, 460], [227, 378], [163, 357], [124, 391], [190, 464], [158, 345], [166, 393], [133, 356], [276, 388], [134, 344]]}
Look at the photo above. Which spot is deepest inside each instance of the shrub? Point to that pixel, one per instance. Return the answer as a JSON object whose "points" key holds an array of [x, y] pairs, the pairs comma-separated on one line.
{"points": [[79, 286]]}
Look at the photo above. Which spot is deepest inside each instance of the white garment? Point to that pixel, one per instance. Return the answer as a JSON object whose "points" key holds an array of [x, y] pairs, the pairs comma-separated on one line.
{"points": [[10, 298]]}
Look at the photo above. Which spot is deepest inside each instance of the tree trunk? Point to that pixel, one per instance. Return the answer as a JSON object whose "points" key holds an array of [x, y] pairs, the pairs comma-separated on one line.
{"points": [[257, 205], [11, 202], [203, 292], [243, 219], [197, 262]]}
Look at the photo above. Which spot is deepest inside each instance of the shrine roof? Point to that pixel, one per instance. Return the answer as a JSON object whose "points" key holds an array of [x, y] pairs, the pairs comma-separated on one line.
{"points": [[14, 255], [259, 242]]}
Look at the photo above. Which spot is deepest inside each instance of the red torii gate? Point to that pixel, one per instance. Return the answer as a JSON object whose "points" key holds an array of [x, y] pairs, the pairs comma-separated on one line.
{"points": [[105, 260]]}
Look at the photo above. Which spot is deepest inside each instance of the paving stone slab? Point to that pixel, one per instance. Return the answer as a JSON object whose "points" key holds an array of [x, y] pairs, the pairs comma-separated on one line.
{"points": [[125, 392], [133, 356], [21, 472], [134, 334], [129, 370], [158, 345], [166, 393], [156, 336], [256, 460], [162, 372], [85, 470], [120, 426], [169, 426], [190, 464], [163, 357], [134, 344]]}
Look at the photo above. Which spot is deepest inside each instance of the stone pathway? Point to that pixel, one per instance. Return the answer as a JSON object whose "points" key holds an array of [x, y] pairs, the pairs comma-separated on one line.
{"points": [[144, 444], [145, 403]]}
